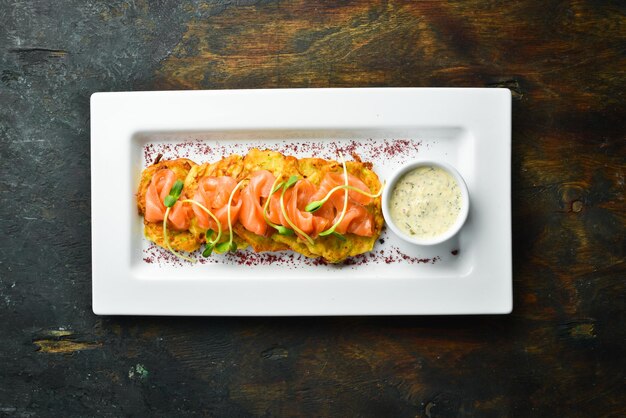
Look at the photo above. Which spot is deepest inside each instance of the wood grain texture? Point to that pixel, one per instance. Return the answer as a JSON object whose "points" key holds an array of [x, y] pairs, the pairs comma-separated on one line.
{"points": [[559, 354]]}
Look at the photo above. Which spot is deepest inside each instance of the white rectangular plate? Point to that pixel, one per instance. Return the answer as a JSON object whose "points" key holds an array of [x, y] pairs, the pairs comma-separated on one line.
{"points": [[468, 128]]}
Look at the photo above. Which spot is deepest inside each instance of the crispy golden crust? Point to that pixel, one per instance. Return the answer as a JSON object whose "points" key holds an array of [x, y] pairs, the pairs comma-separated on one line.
{"points": [[230, 166], [179, 240], [272, 161], [259, 243], [331, 248]]}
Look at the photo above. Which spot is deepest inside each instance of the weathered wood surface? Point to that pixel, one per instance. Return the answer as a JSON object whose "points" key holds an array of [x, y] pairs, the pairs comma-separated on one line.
{"points": [[561, 352]]}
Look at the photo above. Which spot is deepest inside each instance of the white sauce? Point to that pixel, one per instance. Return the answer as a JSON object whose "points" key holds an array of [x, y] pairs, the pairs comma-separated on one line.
{"points": [[425, 202]]}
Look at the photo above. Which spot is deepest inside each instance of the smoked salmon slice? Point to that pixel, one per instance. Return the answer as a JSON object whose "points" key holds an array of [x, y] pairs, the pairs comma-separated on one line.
{"points": [[295, 200], [332, 180], [213, 193], [310, 223], [252, 200], [159, 188], [357, 219]]}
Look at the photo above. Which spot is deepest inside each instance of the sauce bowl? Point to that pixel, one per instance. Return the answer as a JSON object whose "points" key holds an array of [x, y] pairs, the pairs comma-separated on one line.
{"points": [[447, 234]]}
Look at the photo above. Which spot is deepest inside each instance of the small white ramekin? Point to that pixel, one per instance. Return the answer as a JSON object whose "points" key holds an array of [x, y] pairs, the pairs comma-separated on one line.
{"points": [[456, 227]]}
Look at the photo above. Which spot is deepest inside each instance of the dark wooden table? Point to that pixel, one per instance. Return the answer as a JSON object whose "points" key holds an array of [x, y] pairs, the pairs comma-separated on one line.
{"points": [[561, 352]]}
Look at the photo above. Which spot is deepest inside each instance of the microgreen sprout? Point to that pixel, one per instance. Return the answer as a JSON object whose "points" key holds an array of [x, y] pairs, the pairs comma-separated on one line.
{"points": [[331, 230], [315, 205], [210, 244], [280, 228], [169, 202], [208, 247], [276, 187], [338, 235], [174, 194], [229, 245], [292, 180]]}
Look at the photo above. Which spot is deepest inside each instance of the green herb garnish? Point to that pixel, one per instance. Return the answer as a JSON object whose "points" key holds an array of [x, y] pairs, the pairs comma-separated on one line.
{"points": [[338, 235], [224, 247], [174, 194], [276, 187], [315, 205], [280, 228], [169, 201], [208, 250], [210, 244], [345, 201], [292, 180], [229, 245]]}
